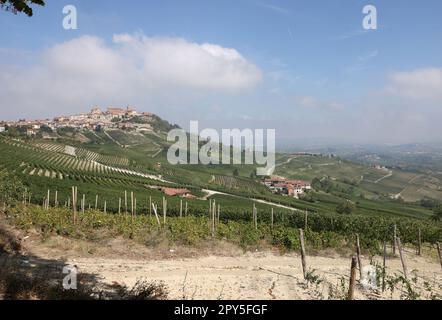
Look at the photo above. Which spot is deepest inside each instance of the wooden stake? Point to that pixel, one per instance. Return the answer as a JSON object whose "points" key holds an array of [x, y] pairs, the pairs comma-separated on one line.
{"points": [[419, 242], [132, 203], [150, 206], [273, 217], [306, 220], [404, 266], [351, 288], [119, 205], [125, 201], [394, 239], [164, 210], [96, 201], [358, 252], [156, 214], [56, 198], [384, 265], [255, 217], [219, 211], [84, 203], [440, 253], [185, 210], [303, 257], [48, 199], [105, 207], [181, 208]]}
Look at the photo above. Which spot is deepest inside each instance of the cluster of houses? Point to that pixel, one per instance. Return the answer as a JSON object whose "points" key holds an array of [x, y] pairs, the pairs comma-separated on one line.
{"points": [[291, 188], [112, 118]]}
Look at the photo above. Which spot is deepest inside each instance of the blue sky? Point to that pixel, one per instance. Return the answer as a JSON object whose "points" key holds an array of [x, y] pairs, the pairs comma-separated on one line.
{"points": [[306, 68]]}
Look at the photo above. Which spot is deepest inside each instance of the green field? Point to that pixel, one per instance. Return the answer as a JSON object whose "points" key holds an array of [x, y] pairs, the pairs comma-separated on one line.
{"points": [[108, 167]]}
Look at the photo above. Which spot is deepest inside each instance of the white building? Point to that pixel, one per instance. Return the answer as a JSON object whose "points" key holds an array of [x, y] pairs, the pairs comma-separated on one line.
{"points": [[2, 129]]}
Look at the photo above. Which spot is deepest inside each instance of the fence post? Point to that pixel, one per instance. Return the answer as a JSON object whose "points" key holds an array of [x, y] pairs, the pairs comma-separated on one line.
{"points": [[125, 201], [306, 220], [358, 252], [394, 239], [419, 242], [48, 199], [303, 258], [156, 214], [404, 266], [351, 287], [384, 264], [150, 206], [440, 253]]}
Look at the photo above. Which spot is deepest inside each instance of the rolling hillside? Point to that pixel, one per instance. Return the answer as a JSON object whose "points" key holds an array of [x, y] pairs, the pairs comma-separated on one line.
{"points": [[108, 163]]}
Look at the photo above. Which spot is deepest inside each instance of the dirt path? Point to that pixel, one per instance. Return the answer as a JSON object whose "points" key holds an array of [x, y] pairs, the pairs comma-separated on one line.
{"points": [[384, 177], [249, 276]]}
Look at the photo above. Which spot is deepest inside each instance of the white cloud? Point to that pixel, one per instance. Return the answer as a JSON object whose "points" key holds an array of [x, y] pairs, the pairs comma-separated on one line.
{"points": [[310, 102], [84, 71], [417, 84]]}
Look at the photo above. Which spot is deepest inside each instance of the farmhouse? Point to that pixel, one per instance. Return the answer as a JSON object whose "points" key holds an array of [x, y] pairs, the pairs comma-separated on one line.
{"points": [[172, 192], [292, 188]]}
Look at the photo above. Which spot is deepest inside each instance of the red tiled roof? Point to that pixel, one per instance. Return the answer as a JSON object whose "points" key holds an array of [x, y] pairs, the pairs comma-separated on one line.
{"points": [[175, 192]]}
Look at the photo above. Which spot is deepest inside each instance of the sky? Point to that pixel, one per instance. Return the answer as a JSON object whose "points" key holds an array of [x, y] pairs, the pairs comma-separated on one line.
{"points": [[305, 68]]}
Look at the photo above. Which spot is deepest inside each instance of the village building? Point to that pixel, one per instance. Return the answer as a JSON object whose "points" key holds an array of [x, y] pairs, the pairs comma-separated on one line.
{"points": [[172, 192], [2, 129], [291, 188]]}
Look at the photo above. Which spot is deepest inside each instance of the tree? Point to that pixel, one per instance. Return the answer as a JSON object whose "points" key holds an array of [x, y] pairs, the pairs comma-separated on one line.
{"points": [[346, 207], [11, 188], [24, 6], [437, 214], [235, 172]]}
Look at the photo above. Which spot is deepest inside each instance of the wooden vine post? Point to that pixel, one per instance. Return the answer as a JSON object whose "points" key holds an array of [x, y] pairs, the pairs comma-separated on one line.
{"points": [[303, 256], [401, 253], [150, 206], [119, 205], [74, 203], [272, 218], [440, 253], [394, 239], [384, 266], [181, 208], [419, 242], [96, 201], [125, 201], [164, 210], [351, 287], [358, 253], [306, 220], [156, 214]]}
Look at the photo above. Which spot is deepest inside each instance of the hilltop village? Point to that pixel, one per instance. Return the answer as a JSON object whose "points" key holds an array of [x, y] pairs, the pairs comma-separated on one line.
{"points": [[112, 118]]}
